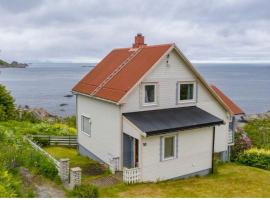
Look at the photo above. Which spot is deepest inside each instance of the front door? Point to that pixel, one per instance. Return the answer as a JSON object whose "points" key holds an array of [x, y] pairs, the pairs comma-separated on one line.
{"points": [[128, 151]]}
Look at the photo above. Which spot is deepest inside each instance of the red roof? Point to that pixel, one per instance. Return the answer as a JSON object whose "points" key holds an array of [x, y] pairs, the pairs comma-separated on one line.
{"points": [[231, 105], [96, 83]]}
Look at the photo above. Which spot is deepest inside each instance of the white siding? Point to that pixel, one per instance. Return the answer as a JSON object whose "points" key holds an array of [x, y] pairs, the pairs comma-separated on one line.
{"points": [[167, 78], [209, 104], [105, 140], [194, 154]]}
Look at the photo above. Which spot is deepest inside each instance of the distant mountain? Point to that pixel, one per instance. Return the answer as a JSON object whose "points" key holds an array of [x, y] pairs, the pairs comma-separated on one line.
{"points": [[14, 64]]}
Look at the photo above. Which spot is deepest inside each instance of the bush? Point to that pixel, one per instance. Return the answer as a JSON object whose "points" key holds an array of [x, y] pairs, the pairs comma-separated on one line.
{"points": [[84, 191], [7, 105], [9, 186], [70, 121], [242, 142], [25, 115], [51, 129], [259, 132], [256, 158]]}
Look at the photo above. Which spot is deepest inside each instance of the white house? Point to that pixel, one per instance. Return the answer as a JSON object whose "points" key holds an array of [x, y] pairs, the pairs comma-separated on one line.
{"points": [[147, 109]]}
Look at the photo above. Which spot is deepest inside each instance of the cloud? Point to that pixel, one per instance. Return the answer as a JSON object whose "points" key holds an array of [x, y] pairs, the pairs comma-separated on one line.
{"points": [[86, 30]]}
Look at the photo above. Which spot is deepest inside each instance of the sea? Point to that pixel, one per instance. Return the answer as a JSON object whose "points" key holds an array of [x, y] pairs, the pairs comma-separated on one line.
{"points": [[46, 85]]}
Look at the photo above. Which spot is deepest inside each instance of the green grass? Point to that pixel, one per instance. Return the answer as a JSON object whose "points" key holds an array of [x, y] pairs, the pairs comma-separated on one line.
{"points": [[258, 131], [231, 180], [90, 168]]}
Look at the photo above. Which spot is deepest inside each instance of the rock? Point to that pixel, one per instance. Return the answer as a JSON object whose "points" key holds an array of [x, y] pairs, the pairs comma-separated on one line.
{"points": [[69, 95], [26, 175]]}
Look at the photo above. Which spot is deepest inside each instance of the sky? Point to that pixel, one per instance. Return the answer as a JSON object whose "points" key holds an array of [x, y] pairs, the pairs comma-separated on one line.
{"points": [[86, 30]]}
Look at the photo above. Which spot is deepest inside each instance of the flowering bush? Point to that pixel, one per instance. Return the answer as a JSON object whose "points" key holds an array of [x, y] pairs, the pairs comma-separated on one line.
{"points": [[242, 142], [256, 158]]}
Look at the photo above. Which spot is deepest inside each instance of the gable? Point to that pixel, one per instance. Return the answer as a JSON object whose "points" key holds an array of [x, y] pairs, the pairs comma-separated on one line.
{"points": [[167, 75]]}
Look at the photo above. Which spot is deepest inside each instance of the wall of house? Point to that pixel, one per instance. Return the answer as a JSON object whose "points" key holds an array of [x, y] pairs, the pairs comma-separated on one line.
{"points": [[194, 155], [167, 76], [105, 139]]}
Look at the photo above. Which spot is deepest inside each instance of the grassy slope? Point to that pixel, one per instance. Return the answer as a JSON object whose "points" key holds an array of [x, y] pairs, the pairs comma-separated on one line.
{"points": [[231, 181], [90, 168]]}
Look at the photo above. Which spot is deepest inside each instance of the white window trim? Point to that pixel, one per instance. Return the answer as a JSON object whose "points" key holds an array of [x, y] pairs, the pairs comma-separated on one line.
{"points": [[90, 121], [194, 92], [155, 103], [174, 146]]}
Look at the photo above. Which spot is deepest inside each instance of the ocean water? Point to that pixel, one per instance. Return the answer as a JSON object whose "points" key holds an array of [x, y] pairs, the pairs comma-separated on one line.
{"points": [[45, 84]]}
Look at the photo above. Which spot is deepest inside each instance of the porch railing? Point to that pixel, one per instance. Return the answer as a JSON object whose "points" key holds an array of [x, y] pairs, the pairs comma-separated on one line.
{"points": [[132, 175]]}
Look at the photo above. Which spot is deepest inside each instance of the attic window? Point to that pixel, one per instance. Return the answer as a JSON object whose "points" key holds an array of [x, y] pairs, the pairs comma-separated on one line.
{"points": [[186, 92], [149, 94]]}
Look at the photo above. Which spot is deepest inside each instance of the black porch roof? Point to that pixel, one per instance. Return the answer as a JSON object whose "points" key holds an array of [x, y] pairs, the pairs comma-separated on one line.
{"points": [[155, 122]]}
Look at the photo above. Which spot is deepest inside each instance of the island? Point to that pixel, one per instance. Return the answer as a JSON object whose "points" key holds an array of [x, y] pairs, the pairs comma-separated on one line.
{"points": [[14, 64]]}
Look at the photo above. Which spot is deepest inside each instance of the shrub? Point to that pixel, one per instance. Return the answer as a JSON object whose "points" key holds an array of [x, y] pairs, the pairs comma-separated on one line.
{"points": [[242, 142], [256, 158], [259, 132], [70, 121], [84, 191], [7, 105], [25, 115], [9, 186]]}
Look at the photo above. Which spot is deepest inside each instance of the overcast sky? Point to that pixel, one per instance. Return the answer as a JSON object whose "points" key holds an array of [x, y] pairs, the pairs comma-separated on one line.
{"points": [[86, 30]]}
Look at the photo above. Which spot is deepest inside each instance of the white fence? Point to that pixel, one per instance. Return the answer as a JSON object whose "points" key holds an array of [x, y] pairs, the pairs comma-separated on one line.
{"points": [[35, 146], [132, 175]]}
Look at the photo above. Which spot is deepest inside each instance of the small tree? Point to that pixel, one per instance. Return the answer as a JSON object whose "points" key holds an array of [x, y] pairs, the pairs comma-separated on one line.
{"points": [[7, 105]]}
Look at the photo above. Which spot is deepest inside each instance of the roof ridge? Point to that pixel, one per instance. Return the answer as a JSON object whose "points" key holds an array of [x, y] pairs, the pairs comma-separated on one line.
{"points": [[146, 46]]}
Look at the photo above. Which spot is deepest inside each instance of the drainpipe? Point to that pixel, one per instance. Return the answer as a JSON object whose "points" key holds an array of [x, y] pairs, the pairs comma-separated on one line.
{"points": [[213, 148]]}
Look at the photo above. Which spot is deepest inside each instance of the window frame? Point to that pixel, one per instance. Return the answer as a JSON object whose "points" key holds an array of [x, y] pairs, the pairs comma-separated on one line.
{"points": [[143, 85], [90, 122], [179, 83], [174, 147]]}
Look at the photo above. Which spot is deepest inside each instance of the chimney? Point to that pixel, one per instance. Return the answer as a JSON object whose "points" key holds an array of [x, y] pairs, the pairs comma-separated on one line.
{"points": [[139, 41]]}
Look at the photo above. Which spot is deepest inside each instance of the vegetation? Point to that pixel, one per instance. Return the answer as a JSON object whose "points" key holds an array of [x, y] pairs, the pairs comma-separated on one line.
{"points": [[259, 132], [7, 105], [89, 167], [84, 191], [242, 142], [28, 128], [228, 182], [3, 63], [255, 157]]}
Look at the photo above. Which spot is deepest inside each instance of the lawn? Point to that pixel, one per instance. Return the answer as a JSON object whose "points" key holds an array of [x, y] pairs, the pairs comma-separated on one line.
{"points": [[89, 167], [231, 180]]}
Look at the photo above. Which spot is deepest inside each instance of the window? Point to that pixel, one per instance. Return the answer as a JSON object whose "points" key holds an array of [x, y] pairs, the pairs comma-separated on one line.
{"points": [[186, 92], [86, 125], [149, 94], [169, 147]]}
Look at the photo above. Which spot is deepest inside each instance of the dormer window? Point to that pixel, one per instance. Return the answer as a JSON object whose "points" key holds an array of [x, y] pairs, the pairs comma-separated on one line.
{"points": [[149, 91], [186, 92]]}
